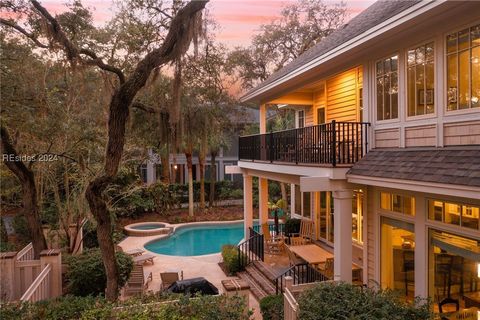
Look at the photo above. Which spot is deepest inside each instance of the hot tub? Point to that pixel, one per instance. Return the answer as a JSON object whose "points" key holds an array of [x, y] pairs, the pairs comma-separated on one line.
{"points": [[141, 229]]}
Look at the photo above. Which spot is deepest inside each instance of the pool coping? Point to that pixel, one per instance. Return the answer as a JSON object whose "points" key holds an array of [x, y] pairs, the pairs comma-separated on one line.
{"points": [[165, 228]]}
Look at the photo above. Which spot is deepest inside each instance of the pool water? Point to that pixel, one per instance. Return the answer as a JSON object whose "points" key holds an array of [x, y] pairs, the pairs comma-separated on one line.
{"points": [[198, 240], [148, 226]]}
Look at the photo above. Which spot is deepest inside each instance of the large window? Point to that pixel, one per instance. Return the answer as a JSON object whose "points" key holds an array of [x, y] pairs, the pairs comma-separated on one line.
{"points": [[387, 88], [420, 80], [454, 213], [301, 118], [397, 264], [357, 216], [463, 69], [397, 203]]}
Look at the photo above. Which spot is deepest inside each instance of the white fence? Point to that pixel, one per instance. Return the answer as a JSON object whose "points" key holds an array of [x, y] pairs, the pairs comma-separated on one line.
{"points": [[40, 288]]}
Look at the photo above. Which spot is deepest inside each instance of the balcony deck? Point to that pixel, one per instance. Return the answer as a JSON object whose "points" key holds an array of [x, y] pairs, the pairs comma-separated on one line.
{"points": [[332, 144]]}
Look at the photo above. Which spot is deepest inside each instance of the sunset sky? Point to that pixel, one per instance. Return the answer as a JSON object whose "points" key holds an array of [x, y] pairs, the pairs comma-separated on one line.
{"points": [[238, 20]]}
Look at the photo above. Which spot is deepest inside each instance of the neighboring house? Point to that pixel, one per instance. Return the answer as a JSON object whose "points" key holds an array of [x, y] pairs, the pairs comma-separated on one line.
{"points": [[151, 170], [386, 155]]}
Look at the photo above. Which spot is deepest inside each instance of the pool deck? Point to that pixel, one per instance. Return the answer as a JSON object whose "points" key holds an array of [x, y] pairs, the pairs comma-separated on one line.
{"points": [[193, 266]]}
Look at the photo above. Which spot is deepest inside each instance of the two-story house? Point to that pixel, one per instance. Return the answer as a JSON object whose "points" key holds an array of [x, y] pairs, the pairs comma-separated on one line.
{"points": [[385, 159]]}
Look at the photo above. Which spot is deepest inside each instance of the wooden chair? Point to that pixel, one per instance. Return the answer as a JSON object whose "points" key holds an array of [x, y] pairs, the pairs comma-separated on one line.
{"points": [[297, 241], [465, 314], [138, 281], [169, 277], [306, 230], [292, 258], [327, 268], [274, 245]]}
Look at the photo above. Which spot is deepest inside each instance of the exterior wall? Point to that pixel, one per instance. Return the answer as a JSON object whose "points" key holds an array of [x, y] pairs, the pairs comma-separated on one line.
{"points": [[342, 96], [442, 128]]}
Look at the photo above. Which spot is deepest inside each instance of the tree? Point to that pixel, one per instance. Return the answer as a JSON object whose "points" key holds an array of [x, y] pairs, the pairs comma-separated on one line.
{"points": [[176, 42], [301, 25]]}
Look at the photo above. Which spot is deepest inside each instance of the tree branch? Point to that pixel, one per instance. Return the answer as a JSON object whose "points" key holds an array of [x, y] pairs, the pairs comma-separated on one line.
{"points": [[71, 49], [23, 31]]}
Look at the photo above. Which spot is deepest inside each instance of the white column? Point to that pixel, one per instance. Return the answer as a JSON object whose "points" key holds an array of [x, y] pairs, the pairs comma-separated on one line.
{"points": [[247, 204], [263, 200], [342, 247], [292, 199], [263, 118], [421, 249]]}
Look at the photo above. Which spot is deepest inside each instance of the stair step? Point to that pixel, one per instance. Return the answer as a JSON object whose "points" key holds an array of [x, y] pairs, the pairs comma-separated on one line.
{"points": [[255, 289], [260, 279], [266, 270]]}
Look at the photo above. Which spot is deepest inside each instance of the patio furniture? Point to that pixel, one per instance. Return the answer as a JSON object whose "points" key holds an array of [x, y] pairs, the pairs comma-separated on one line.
{"points": [[311, 253], [328, 270], [134, 252], [448, 301], [465, 314], [292, 258], [274, 244], [297, 241], [138, 281], [148, 257], [169, 277], [472, 299], [306, 231]]}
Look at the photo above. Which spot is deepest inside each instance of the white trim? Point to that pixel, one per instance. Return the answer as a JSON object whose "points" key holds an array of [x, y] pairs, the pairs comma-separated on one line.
{"points": [[295, 170], [402, 17], [419, 186]]}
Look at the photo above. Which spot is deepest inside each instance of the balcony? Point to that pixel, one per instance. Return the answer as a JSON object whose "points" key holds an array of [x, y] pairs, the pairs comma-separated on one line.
{"points": [[331, 144]]}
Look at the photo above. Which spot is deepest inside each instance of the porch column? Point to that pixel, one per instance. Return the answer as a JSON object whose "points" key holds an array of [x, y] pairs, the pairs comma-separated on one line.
{"points": [[292, 200], [247, 204], [263, 118], [263, 200], [421, 274], [342, 247]]}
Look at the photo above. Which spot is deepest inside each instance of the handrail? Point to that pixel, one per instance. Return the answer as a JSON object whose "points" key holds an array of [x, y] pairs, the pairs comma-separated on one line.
{"points": [[301, 273], [40, 287], [26, 253], [334, 143], [251, 249]]}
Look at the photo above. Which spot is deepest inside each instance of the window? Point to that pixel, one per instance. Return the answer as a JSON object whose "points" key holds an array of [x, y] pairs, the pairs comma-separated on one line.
{"points": [[357, 216], [301, 118], [420, 80], [454, 213], [387, 88], [321, 115], [397, 203], [463, 69], [306, 205]]}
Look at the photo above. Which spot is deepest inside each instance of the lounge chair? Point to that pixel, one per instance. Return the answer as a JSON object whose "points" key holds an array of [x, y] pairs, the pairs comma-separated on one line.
{"points": [[131, 252], [168, 278], [274, 244], [138, 281], [306, 231], [148, 257]]}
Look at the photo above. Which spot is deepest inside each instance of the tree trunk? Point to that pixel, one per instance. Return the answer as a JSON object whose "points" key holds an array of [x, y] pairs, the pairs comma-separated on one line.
{"points": [[283, 188], [201, 163], [213, 178], [188, 155], [29, 192], [165, 159]]}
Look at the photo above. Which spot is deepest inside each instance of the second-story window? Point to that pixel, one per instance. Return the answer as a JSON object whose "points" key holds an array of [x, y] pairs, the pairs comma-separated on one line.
{"points": [[420, 80], [387, 88], [463, 69], [301, 118]]}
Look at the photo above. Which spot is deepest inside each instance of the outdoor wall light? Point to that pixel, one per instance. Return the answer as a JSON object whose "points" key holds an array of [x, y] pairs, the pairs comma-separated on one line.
{"points": [[478, 270], [175, 166]]}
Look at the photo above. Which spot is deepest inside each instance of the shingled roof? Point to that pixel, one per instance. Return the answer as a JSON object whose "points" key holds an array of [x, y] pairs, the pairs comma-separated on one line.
{"points": [[370, 17], [450, 165]]}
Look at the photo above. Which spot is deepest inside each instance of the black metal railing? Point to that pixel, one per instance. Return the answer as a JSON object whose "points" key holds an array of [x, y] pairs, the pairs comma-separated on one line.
{"points": [[329, 143], [300, 273], [251, 249]]}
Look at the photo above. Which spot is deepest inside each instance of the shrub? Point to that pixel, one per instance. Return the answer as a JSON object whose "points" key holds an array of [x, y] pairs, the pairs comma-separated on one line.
{"points": [[230, 258], [292, 226], [86, 273], [20, 226], [329, 301], [90, 308], [271, 307]]}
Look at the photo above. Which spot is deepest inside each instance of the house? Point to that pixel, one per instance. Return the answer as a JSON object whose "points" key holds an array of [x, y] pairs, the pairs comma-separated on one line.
{"points": [[150, 171], [385, 159]]}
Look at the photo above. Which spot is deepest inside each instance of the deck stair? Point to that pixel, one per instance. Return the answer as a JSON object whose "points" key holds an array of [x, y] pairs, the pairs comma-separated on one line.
{"points": [[261, 279]]}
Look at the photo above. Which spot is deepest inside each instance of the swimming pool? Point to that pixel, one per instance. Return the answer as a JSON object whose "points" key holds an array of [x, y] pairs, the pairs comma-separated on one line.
{"points": [[148, 226], [198, 240]]}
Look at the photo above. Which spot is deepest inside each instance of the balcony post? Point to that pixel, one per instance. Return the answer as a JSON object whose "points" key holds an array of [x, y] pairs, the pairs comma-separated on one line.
{"points": [[342, 247], [247, 205], [263, 200], [263, 119]]}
